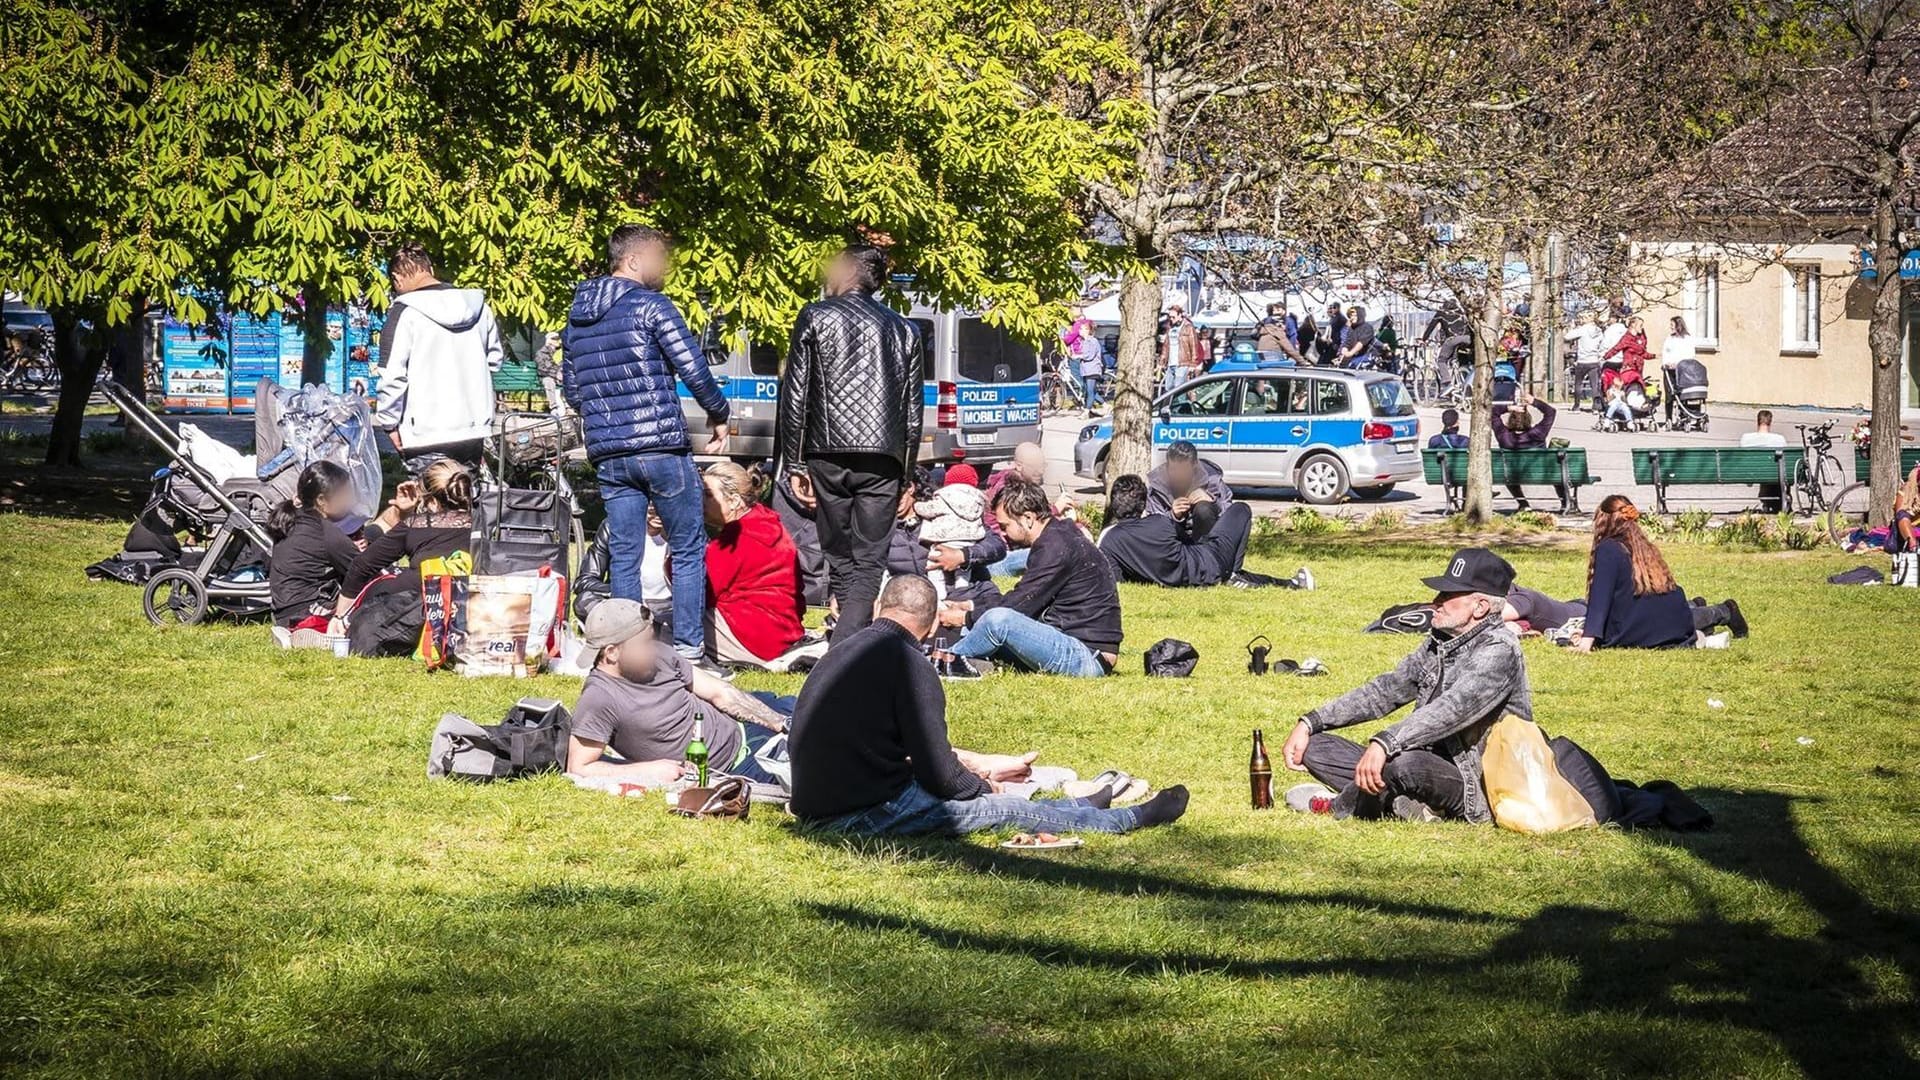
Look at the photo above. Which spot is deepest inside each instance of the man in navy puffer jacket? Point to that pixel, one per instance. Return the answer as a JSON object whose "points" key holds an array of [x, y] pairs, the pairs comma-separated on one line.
{"points": [[623, 344]]}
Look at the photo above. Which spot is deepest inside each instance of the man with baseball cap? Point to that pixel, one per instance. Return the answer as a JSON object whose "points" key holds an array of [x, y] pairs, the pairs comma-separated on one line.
{"points": [[1466, 675], [641, 699]]}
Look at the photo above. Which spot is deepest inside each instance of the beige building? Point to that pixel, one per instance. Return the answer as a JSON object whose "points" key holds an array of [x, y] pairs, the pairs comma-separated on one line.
{"points": [[1779, 325]]}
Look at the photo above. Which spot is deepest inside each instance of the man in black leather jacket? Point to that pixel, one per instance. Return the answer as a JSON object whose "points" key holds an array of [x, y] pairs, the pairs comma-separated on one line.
{"points": [[850, 411]]}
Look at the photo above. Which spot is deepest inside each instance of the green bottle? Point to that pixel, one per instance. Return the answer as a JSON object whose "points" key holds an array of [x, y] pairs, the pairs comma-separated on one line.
{"points": [[697, 749]]}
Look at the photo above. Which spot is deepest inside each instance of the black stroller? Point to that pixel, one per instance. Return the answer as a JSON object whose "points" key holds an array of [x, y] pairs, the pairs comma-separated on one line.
{"points": [[224, 567], [1689, 396]]}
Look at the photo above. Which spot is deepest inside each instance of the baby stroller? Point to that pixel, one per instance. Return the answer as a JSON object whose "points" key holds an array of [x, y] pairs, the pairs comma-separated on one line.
{"points": [[224, 566], [1640, 407], [1690, 396]]}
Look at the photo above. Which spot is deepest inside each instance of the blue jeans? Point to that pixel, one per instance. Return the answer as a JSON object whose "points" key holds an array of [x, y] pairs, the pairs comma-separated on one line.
{"points": [[916, 812], [1005, 634], [1090, 385], [753, 737], [1013, 565], [668, 481]]}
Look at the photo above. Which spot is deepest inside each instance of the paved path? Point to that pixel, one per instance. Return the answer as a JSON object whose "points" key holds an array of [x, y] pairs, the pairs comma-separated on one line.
{"points": [[1609, 456]]}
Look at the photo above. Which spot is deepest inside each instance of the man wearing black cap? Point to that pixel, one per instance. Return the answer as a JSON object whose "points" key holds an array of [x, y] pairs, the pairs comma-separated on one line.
{"points": [[1464, 677]]}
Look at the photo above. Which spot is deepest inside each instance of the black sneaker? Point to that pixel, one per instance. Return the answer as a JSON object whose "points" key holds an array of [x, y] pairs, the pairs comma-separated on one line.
{"points": [[1240, 579], [956, 669], [1736, 621], [708, 667]]}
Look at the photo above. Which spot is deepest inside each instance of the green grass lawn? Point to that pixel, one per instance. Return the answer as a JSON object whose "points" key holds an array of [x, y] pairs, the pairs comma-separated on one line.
{"points": [[220, 859]]}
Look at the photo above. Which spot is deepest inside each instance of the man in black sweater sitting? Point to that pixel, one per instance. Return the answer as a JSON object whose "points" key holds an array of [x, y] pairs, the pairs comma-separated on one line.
{"points": [[1064, 616], [869, 748], [1154, 549]]}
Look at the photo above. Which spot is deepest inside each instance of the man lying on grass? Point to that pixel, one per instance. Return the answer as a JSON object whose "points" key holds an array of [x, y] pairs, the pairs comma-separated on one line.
{"points": [[1464, 677], [1149, 547], [641, 698], [870, 752]]}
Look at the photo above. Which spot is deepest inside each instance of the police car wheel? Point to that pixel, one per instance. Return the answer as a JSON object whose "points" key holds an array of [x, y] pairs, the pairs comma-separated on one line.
{"points": [[1322, 480]]}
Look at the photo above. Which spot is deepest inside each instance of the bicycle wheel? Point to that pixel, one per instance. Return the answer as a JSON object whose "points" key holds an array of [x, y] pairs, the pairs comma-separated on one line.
{"points": [[1802, 500], [1848, 512], [1831, 480]]}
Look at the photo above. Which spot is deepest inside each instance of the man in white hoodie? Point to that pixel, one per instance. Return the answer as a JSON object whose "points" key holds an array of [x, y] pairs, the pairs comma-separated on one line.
{"points": [[438, 352]]}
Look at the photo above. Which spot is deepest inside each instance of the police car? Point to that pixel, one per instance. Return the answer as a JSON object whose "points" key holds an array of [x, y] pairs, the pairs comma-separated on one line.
{"points": [[1324, 432], [981, 389]]}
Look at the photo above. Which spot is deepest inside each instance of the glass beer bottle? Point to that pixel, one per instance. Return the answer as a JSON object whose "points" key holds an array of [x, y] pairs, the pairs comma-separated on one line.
{"points": [[1260, 773]]}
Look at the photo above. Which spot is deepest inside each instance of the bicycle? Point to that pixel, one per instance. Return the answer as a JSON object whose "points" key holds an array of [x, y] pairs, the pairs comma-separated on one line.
{"points": [[27, 363], [1820, 482], [1060, 392]]}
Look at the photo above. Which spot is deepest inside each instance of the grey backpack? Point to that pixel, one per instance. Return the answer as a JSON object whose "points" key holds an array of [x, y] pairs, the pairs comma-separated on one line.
{"points": [[531, 740]]}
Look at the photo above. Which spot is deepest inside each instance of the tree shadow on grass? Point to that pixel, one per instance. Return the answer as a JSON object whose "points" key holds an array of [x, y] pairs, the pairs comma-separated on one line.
{"points": [[1839, 1002]]}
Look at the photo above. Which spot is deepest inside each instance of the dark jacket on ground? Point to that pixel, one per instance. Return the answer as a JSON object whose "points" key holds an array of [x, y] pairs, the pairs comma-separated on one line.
{"points": [[307, 567], [1459, 688], [872, 717], [1200, 519], [1533, 437], [622, 345], [1617, 619], [852, 383], [1069, 586], [421, 537], [593, 583]]}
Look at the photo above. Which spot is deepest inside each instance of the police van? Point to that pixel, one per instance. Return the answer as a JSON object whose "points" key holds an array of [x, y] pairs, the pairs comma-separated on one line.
{"points": [[981, 396]]}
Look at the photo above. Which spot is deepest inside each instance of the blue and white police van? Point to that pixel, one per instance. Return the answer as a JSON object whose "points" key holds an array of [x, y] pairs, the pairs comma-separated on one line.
{"points": [[982, 389], [1324, 432]]}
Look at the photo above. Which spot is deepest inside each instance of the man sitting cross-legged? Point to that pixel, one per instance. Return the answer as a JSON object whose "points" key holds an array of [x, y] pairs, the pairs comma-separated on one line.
{"points": [[1153, 548], [641, 698], [1064, 616], [1461, 680], [870, 753], [1190, 489]]}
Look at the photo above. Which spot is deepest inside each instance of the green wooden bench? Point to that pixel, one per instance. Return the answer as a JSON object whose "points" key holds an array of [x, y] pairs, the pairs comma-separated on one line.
{"points": [[1715, 466], [517, 377], [1909, 457], [1565, 468]]}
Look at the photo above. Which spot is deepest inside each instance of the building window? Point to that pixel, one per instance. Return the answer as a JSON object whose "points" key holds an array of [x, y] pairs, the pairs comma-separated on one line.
{"points": [[1800, 310], [1703, 304]]}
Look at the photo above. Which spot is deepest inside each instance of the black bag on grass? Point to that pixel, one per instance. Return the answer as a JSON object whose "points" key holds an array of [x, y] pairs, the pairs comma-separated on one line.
{"points": [[531, 740], [1588, 777], [1171, 658], [1403, 619]]}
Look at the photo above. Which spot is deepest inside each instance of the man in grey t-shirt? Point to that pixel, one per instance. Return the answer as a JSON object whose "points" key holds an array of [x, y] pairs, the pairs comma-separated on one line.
{"points": [[641, 700]]}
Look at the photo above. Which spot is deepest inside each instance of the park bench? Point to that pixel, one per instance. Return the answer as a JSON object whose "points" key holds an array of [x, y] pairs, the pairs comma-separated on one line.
{"points": [[1909, 457], [1715, 466], [517, 378], [1564, 466]]}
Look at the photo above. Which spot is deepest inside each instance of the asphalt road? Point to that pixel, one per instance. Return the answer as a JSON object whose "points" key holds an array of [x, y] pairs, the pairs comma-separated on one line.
{"points": [[1609, 456]]}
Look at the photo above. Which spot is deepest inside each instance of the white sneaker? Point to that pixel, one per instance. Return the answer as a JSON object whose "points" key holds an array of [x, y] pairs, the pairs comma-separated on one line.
{"points": [[1302, 798], [283, 637], [1303, 579]]}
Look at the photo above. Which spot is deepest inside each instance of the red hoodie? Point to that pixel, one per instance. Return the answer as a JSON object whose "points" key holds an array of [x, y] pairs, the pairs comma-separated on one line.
{"points": [[753, 580]]}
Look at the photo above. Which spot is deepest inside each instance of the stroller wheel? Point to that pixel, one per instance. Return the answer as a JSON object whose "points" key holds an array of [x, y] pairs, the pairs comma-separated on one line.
{"points": [[174, 595]]}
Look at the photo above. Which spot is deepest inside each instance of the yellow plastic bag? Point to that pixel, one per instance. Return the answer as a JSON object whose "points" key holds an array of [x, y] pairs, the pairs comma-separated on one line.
{"points": [[1524, 787]]}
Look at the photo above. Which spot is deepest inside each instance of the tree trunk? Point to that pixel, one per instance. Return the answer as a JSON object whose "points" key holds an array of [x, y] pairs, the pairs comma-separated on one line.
{"points": [[313, 327], [1486, 341], [1131, 450], [1883, 340], [1543, 327], [79, 362]]}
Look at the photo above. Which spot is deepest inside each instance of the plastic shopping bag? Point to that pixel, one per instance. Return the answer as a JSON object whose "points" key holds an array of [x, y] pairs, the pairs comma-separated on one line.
{"points": [[1524, 786]]}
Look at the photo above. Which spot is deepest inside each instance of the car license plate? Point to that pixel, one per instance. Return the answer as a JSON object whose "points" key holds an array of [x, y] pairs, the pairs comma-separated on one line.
{"points": [[981, 438], [1404, 446]]}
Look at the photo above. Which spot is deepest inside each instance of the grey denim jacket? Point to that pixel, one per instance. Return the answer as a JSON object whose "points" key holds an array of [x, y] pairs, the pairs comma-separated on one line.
{"points": [[1459, 688]]}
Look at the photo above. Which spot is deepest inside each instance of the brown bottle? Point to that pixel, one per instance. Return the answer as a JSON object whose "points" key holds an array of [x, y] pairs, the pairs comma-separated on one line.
{"points": [[1260, 772]]}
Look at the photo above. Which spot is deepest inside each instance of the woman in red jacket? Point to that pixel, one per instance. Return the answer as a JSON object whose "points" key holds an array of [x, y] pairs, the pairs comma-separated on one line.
{"points": [[1634, 354], [754, 594]]}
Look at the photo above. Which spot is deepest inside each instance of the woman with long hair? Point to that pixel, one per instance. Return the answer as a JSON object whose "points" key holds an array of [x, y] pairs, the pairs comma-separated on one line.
{"points": [[1677, 347], [754, 595], [1633, 601], [310, 553], [1906, 504]]}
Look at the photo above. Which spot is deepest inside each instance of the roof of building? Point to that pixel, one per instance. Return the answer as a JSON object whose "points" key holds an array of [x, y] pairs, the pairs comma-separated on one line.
{"points": [[1805, 159]]}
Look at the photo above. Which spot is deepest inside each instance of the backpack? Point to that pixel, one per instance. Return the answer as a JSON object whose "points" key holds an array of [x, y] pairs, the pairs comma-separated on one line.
{"points": [[531, 740]]}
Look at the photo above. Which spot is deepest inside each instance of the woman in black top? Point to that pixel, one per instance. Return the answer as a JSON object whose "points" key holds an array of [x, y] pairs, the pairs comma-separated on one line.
{"points": [[438, 526], [310, 553]]}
